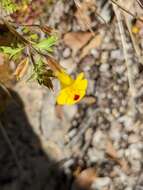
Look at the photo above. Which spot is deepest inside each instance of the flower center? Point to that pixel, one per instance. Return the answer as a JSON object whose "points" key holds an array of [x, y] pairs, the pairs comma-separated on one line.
{"points": [[76, 97]]}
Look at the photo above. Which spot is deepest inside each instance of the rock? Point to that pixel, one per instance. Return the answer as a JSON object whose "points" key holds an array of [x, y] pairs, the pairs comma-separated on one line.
{"points": [[70, 111], [104, 57], [66, 52], [133, 138], [95, 155], [117, 54], [99, 137], [52, 150], [133, 153], [68, 64], [104, 67], [95, 53], [91, 87], [101, 182]]}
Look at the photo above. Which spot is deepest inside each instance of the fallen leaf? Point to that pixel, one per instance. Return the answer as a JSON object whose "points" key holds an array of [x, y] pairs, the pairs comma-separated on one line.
{"points": [[124, 165], [94, 43], [86, 178], [76, 40], [82, 16], [89, 100], [110, 150]]}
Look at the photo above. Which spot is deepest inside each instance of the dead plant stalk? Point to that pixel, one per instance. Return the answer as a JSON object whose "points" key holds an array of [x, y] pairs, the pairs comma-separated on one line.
{"points": [[130, 73]]}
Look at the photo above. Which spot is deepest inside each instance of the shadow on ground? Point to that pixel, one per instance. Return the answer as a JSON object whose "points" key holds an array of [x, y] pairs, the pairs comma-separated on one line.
{"points": [[23, 163]]}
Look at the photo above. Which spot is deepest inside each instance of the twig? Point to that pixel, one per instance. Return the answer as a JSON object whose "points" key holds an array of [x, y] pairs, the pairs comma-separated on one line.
{"points": [[130, 74], [78, 4], [121, 7], [83, 129], [125, 10], [136, 48]]}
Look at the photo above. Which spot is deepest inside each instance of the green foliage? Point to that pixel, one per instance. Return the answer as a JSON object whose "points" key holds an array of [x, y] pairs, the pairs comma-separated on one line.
{"points": [[10, 51], [29, 45], [46, 44], [9, 6], [42, 74]]}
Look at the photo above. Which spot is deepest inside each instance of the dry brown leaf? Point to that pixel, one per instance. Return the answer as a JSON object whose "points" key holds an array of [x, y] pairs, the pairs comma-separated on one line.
{"points": [[82, 15], [76, 40], [21, 68], [124, 165], [86, 178], [110, 150], [94, 43], [89, 100]]}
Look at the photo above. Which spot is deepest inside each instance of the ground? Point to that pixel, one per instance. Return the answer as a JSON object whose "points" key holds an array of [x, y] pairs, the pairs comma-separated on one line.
{"points": [[96, 144]]}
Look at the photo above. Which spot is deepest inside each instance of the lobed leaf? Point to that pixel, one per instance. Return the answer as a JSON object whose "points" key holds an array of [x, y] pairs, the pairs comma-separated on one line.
{"points": [[10, 51], [46, 44]]}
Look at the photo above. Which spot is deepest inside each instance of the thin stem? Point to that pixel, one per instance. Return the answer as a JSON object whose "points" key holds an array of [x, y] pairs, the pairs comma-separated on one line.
{"points": [[51, 61], [130, 74], [14, 32], [125, 10]]}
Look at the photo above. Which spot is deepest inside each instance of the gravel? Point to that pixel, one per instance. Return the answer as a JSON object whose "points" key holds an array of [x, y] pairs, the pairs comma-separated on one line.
{"points": [[79, 138]]}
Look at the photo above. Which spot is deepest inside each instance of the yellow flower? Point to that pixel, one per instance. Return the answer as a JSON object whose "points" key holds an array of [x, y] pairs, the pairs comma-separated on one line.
{"points": [[72, 91], [135, 30]]}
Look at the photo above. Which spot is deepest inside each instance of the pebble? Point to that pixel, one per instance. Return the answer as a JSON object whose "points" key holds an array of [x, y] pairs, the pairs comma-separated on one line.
{"points": [[66, 52], [115, 112], [95, 53], [72, 133], [133, 138], [95, 155], [99, 137], [104, 67], [117, 54], [129, 188], [91, 87], [70, 111], [133, 153], [136, 166], [104, 57], [68, 64], [100, 183]]}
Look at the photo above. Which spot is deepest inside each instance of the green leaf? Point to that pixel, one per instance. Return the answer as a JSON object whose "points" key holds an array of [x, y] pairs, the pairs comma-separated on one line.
{"points": [[10, 51], [46, 44], [9, 6]]}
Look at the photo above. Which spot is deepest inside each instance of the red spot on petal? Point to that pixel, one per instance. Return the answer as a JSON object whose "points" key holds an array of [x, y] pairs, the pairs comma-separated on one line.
{"points": [[76, 97]]}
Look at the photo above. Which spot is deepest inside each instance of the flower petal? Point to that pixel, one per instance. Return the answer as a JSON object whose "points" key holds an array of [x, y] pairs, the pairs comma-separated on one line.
{"points": [[81, 85], [80, 77], [64, 78], [62, 97], [72, 90]]}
